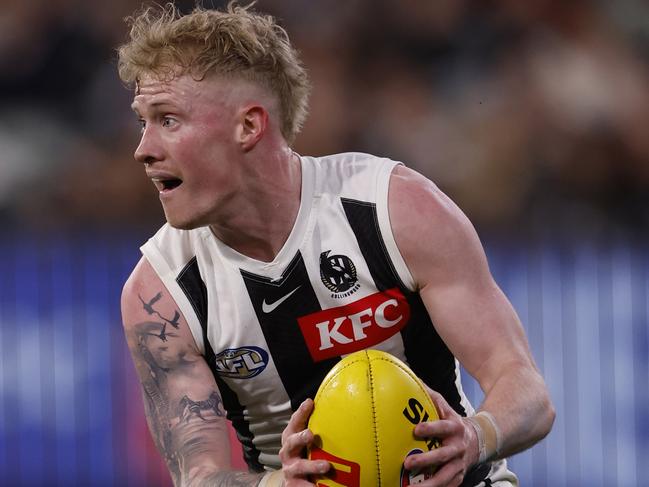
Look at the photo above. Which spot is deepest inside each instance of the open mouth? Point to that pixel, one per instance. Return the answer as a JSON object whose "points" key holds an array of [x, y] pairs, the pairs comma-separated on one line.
{"points": [[169, 184], [166, 185]]}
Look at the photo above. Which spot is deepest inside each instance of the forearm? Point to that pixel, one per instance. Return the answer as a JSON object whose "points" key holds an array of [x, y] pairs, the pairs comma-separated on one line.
{"points": [[521, 408], [201, 478]]}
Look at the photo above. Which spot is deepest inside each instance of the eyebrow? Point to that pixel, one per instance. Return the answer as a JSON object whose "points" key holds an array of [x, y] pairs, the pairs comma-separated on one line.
{"points": [[155, 104]]}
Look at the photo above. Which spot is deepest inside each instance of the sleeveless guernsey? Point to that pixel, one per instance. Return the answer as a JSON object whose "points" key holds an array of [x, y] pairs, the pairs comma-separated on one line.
{"points": [[270, 331]]}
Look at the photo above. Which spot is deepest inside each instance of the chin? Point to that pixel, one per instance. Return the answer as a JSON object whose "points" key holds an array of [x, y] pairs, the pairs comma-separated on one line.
{"points": [[183, 223]]}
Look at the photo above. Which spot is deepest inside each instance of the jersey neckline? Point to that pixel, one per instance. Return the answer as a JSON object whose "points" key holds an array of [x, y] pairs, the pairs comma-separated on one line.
{"points": [[295, 238]]}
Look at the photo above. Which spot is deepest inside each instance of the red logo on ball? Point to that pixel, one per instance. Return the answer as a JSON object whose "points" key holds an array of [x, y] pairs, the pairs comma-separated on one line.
{"points": [[413, 477], [344, 472]]}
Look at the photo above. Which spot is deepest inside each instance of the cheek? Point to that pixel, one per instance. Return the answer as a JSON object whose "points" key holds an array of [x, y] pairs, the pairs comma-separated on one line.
{"points": [[205, 157]]}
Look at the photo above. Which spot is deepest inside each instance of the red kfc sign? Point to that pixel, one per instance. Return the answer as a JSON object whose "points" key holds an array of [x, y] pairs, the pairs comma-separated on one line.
{"points": [[355, 326]]}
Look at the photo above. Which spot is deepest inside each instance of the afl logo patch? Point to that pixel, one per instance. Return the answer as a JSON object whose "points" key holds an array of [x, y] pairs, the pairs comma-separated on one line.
{"points": [[338, 274], [241, 363]]}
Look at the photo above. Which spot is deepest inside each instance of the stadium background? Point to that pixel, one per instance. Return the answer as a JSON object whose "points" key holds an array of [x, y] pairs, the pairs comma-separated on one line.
{"points": [[532, 115]]}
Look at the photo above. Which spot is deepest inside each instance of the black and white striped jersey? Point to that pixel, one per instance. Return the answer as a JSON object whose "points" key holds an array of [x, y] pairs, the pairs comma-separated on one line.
{"points": [[270, 331]]}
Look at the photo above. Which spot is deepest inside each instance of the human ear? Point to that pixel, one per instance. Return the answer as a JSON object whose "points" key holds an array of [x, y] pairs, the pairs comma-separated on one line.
{"points": [[252, 126]]}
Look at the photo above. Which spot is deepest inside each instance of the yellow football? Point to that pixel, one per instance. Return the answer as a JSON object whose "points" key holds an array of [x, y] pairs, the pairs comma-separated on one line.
{"points": [[365, 412]]}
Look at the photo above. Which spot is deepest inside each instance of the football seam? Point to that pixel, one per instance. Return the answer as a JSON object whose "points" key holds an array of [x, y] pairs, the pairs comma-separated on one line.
{"points": [[417, 380], [374, 428]]}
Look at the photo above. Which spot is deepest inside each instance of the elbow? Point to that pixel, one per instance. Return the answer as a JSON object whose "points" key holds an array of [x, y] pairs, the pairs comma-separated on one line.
{"points": [[551, 414], [546, 417], [200, 475]]}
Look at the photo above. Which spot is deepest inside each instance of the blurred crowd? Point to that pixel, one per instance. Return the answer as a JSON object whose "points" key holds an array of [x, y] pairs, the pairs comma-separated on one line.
{"points": [[532, 115]]}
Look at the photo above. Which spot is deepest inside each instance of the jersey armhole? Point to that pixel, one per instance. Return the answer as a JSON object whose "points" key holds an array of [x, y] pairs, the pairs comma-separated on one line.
{"points": [[168, 277], [383, 213]]}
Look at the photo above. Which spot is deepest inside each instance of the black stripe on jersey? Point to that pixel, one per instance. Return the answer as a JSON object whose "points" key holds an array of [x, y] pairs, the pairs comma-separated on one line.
{"points": [[419, 336], [364, 221], [276, 308], [192, 284], [476, 474]]}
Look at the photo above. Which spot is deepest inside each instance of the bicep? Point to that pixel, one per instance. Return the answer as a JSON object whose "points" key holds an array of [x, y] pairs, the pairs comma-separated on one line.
{"points": [[182, 403], [443, 252]]}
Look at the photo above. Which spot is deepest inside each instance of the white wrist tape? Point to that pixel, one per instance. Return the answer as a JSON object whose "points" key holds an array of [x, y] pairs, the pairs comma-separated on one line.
{"points": [[272, 479], [489, 437]]}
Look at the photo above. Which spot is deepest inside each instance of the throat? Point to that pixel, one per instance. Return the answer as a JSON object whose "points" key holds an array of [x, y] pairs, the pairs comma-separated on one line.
{"points": [[267, 215], [258, 238]]}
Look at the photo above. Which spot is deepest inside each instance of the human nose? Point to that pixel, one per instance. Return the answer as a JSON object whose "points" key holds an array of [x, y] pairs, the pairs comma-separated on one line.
{"points": [[148, 150]]}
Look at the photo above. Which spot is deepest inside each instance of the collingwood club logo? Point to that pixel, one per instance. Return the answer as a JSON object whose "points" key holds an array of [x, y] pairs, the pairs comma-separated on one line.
{"points": [[338, 274]]}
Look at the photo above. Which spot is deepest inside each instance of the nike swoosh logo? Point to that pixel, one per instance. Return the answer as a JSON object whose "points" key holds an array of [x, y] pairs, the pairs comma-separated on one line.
{"points": [[268, 307]]}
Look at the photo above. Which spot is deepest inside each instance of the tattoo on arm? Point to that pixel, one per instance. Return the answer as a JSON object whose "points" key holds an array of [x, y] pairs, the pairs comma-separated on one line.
{"points": [[148, 307], [155, 393], [189, 408], [229, 479], [155, 360]]}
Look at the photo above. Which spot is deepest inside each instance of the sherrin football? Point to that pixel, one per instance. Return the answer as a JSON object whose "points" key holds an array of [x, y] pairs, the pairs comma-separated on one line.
{"points": [[365, 412]]}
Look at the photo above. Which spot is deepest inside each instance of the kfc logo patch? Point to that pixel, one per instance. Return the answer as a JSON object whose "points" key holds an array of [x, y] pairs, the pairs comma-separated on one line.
{"points": [[355, 326]]}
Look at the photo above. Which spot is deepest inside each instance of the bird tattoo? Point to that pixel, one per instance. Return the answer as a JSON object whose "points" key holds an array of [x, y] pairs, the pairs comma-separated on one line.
{"points": [[148, 306]]}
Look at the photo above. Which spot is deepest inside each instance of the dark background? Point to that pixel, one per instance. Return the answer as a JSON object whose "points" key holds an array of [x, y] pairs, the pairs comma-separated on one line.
{"points": [[533, 116]]}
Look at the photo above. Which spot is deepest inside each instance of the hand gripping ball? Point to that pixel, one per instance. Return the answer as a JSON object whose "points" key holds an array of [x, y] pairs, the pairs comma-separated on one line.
{"points": [[365, 412]]}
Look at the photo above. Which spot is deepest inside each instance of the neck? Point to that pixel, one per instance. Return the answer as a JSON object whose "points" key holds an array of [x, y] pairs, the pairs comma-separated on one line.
{"points": [[267, 208]]}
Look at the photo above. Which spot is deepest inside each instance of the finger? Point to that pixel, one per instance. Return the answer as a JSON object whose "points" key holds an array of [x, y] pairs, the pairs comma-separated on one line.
{"points": [[444, 410], [297, 483], [303, 468], [447, 475], [452, 477], [439, 429], [432, 458], [293, 445], [299, 418]]}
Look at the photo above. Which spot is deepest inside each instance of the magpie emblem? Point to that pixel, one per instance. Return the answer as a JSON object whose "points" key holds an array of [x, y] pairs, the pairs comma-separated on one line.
{"points": [[338, 274]]}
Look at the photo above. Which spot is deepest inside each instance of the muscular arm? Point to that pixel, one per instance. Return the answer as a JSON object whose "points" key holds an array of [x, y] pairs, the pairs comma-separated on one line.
{"points": [[182, 403], [470, 312]]}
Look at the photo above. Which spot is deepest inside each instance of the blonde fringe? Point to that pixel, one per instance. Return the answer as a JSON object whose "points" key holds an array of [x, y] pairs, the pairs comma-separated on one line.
{"points": [[235, 42]]}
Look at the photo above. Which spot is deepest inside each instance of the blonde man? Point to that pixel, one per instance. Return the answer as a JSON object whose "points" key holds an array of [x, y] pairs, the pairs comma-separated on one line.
{"points": [[252, 290]]}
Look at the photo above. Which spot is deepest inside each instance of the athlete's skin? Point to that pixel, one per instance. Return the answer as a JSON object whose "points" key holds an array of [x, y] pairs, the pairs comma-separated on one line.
{"points": [[239, 176]]}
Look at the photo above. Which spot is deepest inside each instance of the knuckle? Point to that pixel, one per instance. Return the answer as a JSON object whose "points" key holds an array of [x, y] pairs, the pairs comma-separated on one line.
{"points": [[444, 455], [422, 429], [292, 441], [282, 451], [298, 469], [293, 470], [452, 452]]}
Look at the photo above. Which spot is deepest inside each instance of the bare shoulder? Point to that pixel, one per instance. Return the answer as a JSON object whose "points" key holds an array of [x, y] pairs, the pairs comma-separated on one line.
{"points": [[149, 309], [142, 278], [432, 233]]}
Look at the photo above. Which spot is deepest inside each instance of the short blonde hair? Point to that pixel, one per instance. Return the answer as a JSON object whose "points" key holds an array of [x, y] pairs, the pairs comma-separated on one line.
{"points": [[236, 42]]}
